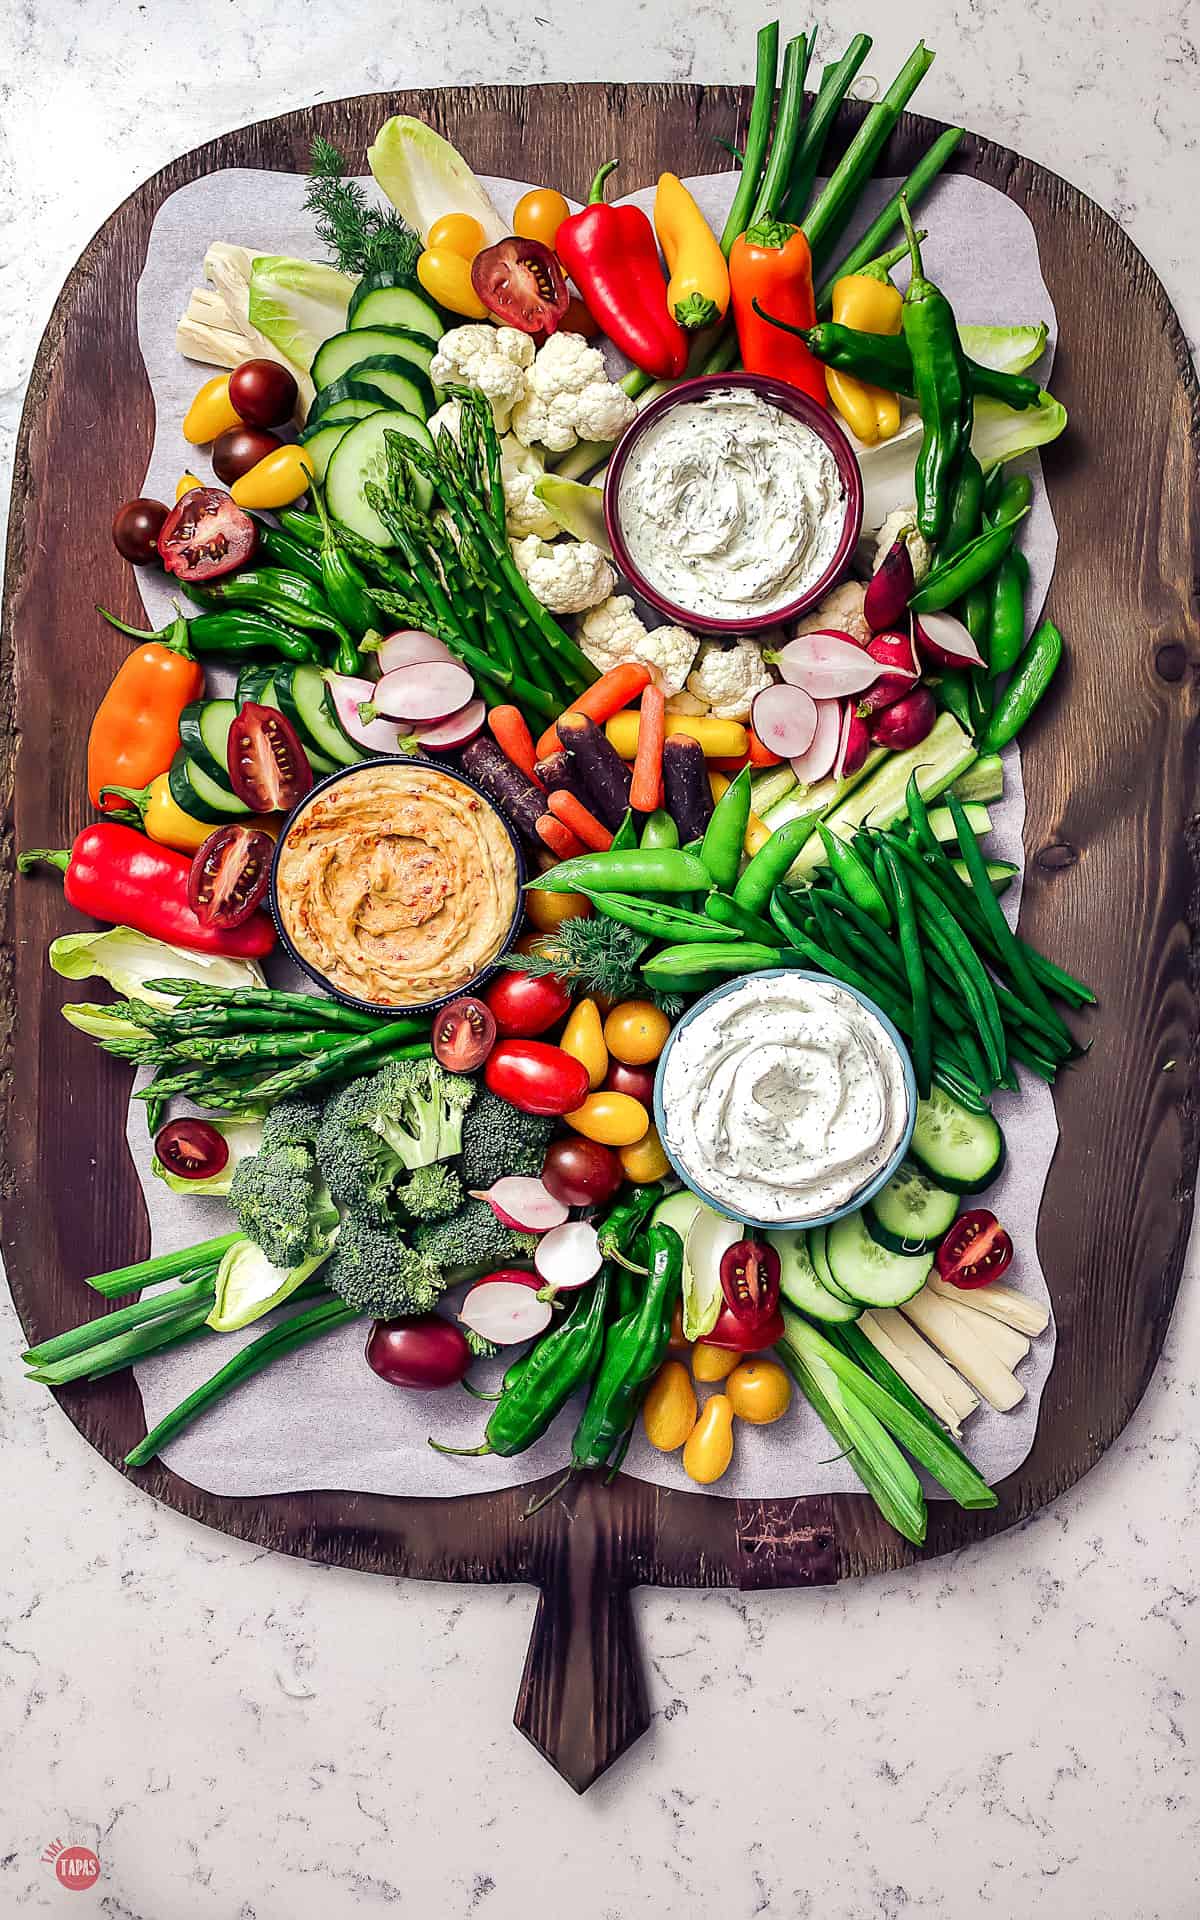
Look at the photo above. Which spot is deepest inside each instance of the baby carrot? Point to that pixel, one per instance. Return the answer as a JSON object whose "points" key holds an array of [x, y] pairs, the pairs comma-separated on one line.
{"points": [[606, 696], [510, 730], [573, 814], [647, 765], [563, 844]]}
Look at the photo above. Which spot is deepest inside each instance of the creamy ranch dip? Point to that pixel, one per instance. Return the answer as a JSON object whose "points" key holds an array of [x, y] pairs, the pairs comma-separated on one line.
{"points": [[730, 506], [784, 1098]]}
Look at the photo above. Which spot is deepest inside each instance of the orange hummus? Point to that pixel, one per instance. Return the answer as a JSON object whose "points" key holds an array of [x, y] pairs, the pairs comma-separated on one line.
{"points": [[397, 884]]}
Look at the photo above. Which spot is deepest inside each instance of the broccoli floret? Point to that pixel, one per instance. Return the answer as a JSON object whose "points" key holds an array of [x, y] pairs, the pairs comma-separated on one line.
{"points": [[282, 1204], [497, 1138], [359, 1168], [413, 1108], [377, 1272], [473, 1237], [292, 1123], [432, 1193]]}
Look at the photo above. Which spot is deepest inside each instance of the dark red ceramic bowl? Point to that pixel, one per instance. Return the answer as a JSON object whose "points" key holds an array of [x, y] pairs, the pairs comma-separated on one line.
{"points": [[788, 400]]}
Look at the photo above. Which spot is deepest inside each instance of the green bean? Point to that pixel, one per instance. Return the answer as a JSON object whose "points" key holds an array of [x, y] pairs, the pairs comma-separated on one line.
{"points": [[914, 967], [992, 915], [964, 966]]}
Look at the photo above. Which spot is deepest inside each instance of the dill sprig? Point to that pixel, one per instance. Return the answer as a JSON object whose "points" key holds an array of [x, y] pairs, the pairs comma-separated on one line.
{"points": [[362, 238], [595, 956]]}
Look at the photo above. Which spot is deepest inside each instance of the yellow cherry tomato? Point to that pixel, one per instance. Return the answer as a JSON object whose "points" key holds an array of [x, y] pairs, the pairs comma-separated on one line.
{"points": [[615, 1119], [669, 1409], [276, 481], [212, 412], [547, 911], [636, 1032], [645, 1160], [708, 1448], [539, 214], [187, 484], [458, 233], [712, 1363], [446, 278], [583, 1039], [759, 1391]]}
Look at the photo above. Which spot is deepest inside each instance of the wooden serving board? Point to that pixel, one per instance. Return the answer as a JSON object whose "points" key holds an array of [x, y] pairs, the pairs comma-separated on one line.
{"points": [[1112, 892]]}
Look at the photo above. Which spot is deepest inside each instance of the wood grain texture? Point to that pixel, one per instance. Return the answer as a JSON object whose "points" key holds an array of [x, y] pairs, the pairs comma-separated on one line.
{"points": [[1113, 892]]}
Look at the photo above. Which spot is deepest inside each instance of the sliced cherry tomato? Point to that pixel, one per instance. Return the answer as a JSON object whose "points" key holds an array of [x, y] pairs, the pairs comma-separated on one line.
{"points": [[536, 1077], [464, 1033], [229, 875], [205, 535], [581, 1173], [539, 214], [750, 1316], [262, 393], [135, 530], [976, 1250], [235, 452], [636, 1081], [521, 282], [268, 767], [527, 1004], [192, 1148]]}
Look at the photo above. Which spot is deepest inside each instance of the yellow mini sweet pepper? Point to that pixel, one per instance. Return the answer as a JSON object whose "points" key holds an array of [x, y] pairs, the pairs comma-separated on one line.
{"points": [[870, 303], [162, 818], [698, 294]]}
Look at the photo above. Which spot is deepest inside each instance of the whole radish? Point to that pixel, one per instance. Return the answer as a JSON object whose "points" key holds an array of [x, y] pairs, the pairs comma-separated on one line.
{"points": [[894, 652], [890, 588], [906, 722]]}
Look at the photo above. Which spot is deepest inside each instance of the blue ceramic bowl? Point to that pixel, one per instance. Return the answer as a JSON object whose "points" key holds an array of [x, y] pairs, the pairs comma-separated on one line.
{"points": [[877, 1180]]}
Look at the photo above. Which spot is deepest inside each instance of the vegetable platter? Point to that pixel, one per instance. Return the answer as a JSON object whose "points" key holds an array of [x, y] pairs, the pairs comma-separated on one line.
{"points": [[1110, 879]]}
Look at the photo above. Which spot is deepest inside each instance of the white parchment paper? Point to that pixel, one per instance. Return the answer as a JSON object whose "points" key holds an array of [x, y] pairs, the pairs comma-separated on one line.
{"points": [[319, 1418]]}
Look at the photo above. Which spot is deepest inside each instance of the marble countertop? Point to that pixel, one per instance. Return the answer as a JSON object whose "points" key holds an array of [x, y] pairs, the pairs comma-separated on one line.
{"points": [[239, 1735]]}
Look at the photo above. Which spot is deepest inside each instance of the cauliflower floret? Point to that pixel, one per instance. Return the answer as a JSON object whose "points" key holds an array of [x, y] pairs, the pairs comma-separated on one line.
{"points": [[726, 678], [901, 524], [496, 360], [568, 577], [569, 397], [686, 702], [842, 609], [521, 469], [612, 633], [448, 415]]}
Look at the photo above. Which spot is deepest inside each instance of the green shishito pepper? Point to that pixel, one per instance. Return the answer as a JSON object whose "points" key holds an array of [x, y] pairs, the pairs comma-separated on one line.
{"points": [[282, 549], [271, 590], [636, 870], [974, 563], [634, 1347], [941, 387], [886, 361], [231, 636]]}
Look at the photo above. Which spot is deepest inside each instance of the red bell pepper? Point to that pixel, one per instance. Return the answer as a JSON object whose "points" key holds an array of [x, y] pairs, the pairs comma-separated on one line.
{"points": [[113, 873], [770, 273], [612, 256]]}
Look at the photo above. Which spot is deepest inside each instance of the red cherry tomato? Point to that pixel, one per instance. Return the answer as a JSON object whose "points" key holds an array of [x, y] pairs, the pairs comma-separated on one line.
{"points": [[240, 448], [206, 535], [192, 1148], [581, 1173], [464, 1033], [521, 282], [536, 1077], [268, 767], [135, 530], [229, 875], [976, 1250], [526, 1004], [750, 1316], [638, 1082], [262, 392], [424, 1351]]}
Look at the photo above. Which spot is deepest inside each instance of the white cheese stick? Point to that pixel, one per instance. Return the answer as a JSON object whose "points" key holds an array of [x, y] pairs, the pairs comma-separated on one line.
{"points": [[998, 1302], [1009, 1346], [953, 1335], [920, 1367], [216, 346]]}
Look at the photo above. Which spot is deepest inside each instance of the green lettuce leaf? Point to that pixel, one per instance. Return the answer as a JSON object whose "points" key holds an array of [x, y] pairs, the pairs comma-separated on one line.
{"points": [[1005, 349], [425, 177], [127, 960]]}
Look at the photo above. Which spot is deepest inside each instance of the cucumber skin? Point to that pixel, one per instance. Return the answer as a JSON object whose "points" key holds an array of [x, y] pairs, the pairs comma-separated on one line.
{"points": [[853, 1223], [887, 1231], [893, 1242], [953, 1182], [799, 1282]]}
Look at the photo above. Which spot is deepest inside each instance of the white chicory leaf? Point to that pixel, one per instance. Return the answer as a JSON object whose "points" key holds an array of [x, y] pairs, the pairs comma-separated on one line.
{"points": [[425, 177], [1005, 349], [1000, 433], [243, 1138], [127, 960], [579, 510], [248, 1285], [298, 304], [100, 1023]]}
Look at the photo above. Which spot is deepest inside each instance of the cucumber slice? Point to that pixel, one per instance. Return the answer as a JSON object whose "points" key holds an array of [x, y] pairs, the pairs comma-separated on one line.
{"points": [[254, 683], [402, 384], [868, 1271], [192, 790], [1001, 873], [304, 700], [798, 1280], [816, 1238], [204, 731], [341, 414], [344, 351], [960, 1150], [910, 1213], [361, 456], [941, 822], [339, 391], [983, 782], [393, 300], [320, 440]]}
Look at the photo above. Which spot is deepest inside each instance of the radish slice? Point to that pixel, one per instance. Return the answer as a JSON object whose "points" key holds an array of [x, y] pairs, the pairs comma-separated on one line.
{"points": [[946, 641], [899, 671], [457, 731], [827, 665], [431, 690], [524, 1204], [409, 649], [818, 760], [350, 693], [505, 1311], [569, 1256], [785, 719]]}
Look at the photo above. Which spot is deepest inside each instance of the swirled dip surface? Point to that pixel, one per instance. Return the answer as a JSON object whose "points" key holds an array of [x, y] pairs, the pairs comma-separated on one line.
{"points": [[398, 883], [729, 506], [784, 1098]]}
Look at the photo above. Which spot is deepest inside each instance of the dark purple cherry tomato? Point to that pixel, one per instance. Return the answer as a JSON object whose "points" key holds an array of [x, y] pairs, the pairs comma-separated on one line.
{"points": [[135, 530], [521, 282], [206, 535], [464, 1033], [192, 1148], [581, 1173], [262, 392], [238, 449], [229, 875], [536, 1077], [526, 1004], [268, 767], [638, 1082], [424, 1351]]}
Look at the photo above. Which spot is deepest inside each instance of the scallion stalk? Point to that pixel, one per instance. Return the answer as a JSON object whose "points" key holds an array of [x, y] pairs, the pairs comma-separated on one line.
{"points": [[835, 84], [788, 121], [874, 1455], [886, 223], [758, 133], [164, 1266], [92, 1332], [829, 213]]}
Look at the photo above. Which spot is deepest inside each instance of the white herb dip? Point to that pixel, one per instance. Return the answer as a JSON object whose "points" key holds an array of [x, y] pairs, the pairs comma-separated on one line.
{"points": [[784, 1098], [730, 506]]}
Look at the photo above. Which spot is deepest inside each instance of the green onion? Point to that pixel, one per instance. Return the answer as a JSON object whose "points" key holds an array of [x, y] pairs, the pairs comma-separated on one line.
{"points": [[93, 1332], [757, 134], [787, 130], [874, 1455], [107, 1356], [164, 1266], [835, 84], [885, 224], [829, 213]]}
